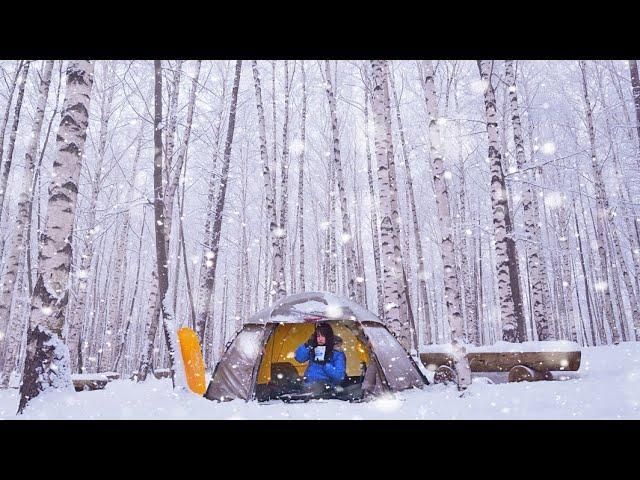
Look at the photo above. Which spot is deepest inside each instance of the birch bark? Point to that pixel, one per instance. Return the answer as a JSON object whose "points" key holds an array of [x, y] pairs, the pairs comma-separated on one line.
{"points": [[47, 362], [451, 281], [15, 257]]}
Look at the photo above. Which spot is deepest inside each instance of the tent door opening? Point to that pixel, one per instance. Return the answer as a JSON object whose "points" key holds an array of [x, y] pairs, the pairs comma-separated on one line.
{"points": [[280, 376]]}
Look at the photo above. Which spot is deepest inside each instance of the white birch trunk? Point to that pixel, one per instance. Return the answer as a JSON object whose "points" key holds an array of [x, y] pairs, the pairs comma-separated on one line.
{"points": [[6, 165], [500, 210], [47, 363], [602, 214], [451, 281], [82, 272], [346, 236], [422, 281], [211, 263], [391, 254], [373, 201], [277, 285], [539, 287], [301, 179], [15, 255]]}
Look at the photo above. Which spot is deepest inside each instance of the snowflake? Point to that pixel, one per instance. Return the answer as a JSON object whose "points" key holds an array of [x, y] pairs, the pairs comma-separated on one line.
{"points": [[601, 286], [553, 199], [549, 148], [297, 146]]}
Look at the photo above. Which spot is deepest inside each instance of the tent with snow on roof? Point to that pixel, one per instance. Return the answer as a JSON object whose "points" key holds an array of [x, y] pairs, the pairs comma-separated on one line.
{"points": [[259, 364]]}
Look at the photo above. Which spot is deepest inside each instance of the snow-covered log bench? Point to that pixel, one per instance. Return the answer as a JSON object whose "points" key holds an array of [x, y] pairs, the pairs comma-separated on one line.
{"points": [[92, 381], [528, 361]]}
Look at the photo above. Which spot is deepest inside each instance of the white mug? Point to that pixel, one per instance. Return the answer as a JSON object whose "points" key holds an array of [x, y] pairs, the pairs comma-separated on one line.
{"points": [[319, 353]]}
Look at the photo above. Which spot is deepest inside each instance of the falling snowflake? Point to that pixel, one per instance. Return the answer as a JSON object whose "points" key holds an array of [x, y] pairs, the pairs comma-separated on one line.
{"points": [[297, 146], [549, 148], [553, 199], [389, 306], [601, 286]]}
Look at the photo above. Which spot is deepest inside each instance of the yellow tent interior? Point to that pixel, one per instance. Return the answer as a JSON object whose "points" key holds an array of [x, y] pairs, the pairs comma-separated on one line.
{"points": [[288, 336]]}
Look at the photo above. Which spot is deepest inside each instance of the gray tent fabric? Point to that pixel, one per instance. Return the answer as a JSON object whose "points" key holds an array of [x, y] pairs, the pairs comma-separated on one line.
{"points": [[397, 366], [294, 308], [235, 371], [390, 368]]}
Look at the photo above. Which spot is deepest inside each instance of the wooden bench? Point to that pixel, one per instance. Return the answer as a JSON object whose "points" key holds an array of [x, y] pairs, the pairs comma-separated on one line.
{"points": [[522, 366]]}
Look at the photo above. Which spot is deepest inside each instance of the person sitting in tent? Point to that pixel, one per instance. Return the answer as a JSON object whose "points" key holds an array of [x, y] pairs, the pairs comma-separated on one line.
{"points": [[327, 365]]}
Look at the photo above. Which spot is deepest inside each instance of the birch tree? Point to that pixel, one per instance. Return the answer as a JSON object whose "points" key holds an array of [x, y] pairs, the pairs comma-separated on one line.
{"points": [[346, 235], [278, 285], [539, 287], [301, 172], [83, 270], [8, 161], [417, 237], [212, 261], [391, 255], [602, 207], [635, 91], [451, 281], [513, 329], [160, 242], [15, 256], [47, 363]]}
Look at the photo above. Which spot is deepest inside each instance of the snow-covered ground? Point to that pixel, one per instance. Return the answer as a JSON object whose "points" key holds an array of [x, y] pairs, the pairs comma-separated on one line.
{"points": [[606, 387]]}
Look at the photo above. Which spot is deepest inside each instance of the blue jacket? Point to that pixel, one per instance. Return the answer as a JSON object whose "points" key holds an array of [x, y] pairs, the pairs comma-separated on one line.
{"points": [[331, 372]]}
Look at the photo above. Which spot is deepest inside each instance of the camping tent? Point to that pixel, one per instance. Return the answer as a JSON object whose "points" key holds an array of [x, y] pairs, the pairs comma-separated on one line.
{"points": [[258, 364]]}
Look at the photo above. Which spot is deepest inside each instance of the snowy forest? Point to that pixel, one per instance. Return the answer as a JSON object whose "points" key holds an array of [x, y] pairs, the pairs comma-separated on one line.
{"points": [[462, 202]]}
